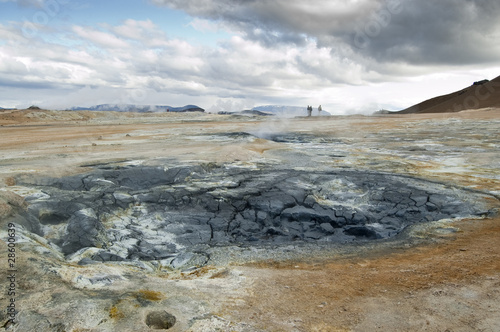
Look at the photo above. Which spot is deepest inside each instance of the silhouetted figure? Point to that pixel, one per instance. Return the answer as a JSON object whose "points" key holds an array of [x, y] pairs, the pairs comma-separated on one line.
{"points": [[309, 110], [319, 110]]}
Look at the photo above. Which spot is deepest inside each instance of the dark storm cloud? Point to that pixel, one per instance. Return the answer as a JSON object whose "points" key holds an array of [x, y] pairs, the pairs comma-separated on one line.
{"points": [[424, 32], [446, 32]]}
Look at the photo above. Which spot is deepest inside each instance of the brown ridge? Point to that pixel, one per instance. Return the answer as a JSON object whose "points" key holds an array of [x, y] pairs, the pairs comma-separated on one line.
{"points": [[482, 94]]}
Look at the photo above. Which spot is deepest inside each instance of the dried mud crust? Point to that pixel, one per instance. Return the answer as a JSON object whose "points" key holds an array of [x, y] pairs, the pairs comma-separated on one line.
{"points": [[175, 215]]}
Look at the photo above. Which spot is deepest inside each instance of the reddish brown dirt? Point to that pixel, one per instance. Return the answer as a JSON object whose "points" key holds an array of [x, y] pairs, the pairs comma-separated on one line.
{"points": [[351, 293]]}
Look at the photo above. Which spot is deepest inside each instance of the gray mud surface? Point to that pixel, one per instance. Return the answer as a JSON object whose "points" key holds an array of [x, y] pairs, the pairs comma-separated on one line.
{"points": [[179, 216]]}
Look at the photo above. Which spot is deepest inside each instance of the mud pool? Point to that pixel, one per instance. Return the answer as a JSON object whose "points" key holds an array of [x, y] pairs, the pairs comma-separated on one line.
{"points": [[174, 215]]}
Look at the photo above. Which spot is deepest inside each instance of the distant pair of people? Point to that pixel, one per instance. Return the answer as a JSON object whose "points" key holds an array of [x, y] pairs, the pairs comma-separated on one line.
{"points": [[310, 109]]}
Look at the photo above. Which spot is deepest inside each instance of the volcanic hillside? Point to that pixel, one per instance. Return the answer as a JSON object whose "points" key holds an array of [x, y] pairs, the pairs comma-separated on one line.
{"points": [[481, 94]]}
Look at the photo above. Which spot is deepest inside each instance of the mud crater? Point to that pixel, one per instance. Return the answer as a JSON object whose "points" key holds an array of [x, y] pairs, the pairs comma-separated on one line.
{"points": [[164, 214]]}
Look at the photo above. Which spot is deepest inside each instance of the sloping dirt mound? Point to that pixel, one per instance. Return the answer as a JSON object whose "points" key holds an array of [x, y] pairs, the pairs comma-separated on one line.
{"points": [[479, 95]]}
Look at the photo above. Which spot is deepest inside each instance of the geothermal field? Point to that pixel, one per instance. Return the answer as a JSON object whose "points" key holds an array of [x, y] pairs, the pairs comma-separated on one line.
{"points": [[204, 222]]}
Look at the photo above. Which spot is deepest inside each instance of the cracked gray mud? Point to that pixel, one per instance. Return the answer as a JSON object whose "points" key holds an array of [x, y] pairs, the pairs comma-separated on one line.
{"points": [[172, 215]]}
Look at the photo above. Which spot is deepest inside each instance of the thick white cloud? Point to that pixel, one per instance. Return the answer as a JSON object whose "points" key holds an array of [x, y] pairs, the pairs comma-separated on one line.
{"points": [[415, 32], [99, 38]]}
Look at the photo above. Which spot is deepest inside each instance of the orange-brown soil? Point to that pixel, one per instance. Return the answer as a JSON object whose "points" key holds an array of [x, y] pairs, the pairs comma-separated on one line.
{"points": [[446, 286]]}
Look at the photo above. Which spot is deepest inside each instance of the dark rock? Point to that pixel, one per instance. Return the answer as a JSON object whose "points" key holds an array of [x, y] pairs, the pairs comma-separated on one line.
{"points": [[431, 207], [104, 256], [392, 196], [362, 231], [272, 202], [309, 201], [27, 220], [358, 218], [239, 205], [326, 227], [390, 222], [84, 230], [150, 197], [148, 251], [191, 234], [420, 200], [209, 203], [438, 200], [218, 223], [123, 199], [274, 231], [480, 82], [294, 229]]}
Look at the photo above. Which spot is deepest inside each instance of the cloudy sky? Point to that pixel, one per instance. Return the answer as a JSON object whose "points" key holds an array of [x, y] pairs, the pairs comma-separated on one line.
{"points": [[351, 56]]}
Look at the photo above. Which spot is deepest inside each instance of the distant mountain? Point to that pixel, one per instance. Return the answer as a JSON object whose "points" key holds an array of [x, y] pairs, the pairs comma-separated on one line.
{"points": [[480, 94], [256, 112], [288, 111], [139, 108], [247, 113]]}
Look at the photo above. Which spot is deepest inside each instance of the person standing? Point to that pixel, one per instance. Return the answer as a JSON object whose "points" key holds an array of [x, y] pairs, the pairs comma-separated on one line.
{"points": [[319, 110], [309, 110]]}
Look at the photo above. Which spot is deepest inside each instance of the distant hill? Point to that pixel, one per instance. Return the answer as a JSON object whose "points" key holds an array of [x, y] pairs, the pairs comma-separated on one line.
{"points": [[481, 94], [139, 108], [247, 113], [288, 111]]}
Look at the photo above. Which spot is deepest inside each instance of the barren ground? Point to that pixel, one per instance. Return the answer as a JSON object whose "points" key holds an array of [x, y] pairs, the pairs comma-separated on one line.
{"points": [[446, 280]]}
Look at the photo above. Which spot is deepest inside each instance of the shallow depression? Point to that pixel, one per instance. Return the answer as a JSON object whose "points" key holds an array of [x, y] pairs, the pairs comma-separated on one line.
{"points": [[171, 214]]}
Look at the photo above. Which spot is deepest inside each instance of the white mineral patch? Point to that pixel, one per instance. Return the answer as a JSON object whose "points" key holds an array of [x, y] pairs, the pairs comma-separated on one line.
{"points": [[104, 181], [82, 253], [376, 225], [54, 231], [248, 165], [136, 162], [88, 212], [27, 192], [96, 281], [122, 196]]}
